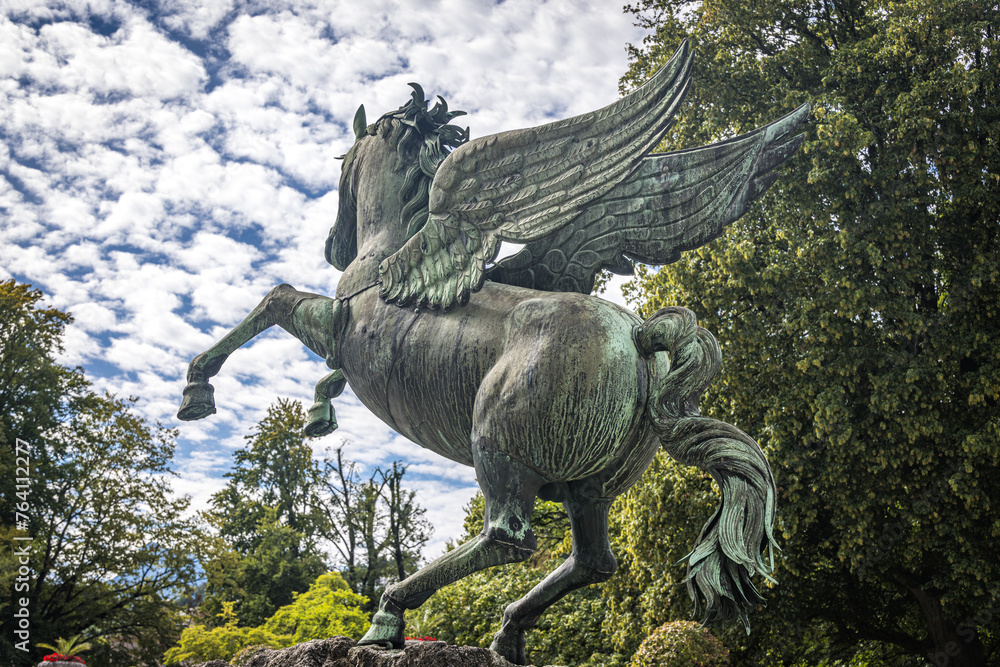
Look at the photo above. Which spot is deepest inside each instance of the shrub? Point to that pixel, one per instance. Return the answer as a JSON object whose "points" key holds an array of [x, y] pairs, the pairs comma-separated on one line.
{"points": [[681, 644]]}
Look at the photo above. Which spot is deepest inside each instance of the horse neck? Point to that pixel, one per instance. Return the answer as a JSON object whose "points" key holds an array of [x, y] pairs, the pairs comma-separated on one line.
{"points": [[380, 232]]}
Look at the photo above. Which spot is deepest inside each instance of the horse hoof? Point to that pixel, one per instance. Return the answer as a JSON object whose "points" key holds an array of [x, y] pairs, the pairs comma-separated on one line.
{"points": [[386, 631], [321, 420], [199, 401], [510, 644]]}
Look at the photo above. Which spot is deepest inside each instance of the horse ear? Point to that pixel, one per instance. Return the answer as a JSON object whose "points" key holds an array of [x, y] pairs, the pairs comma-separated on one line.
{"points": [[360, 124]]}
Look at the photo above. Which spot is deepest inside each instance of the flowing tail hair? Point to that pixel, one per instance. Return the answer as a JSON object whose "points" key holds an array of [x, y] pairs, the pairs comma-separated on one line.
{"points": [[732, 544]]}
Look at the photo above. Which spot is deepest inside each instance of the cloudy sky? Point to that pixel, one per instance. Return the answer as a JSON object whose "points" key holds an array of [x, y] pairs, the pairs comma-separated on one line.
{"points": [[165, 163]]}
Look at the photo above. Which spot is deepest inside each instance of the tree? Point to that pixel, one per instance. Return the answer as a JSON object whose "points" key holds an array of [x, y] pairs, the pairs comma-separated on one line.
{"points": [[374, 524], [857, 306], [329, 608], [113, 546], [266, 522], [36, 393], [406, 530], [275, 472], [341, 480], [269, 522], [261, 580], [652, 528], [110, 545]]}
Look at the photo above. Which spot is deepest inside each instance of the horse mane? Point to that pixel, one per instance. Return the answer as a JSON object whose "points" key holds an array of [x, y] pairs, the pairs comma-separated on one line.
{"points": [[422, 139]]}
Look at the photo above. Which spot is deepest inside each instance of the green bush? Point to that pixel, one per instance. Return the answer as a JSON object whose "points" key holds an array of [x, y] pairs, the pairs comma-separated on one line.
{"points": [[327, 609], [200, 644], [681, 644]]}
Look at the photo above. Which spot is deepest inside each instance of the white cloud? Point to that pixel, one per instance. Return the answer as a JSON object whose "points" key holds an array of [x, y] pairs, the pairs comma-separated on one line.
{"points": [[196, 18], [136, 60]]}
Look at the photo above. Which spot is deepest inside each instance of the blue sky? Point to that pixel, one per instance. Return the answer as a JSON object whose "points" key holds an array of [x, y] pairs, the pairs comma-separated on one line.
{"points": [[165, 163]]}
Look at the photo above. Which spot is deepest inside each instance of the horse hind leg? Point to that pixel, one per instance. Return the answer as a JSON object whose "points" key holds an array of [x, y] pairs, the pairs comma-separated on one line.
{"points": [[314, 319], [509, 488], [591, 562]]}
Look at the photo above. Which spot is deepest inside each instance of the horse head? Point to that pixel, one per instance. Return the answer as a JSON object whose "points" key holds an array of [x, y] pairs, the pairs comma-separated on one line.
{"points": [[387, 175]]}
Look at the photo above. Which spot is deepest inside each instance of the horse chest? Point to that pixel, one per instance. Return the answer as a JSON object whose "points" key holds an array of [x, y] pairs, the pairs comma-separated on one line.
{"points": [[418, 371]]}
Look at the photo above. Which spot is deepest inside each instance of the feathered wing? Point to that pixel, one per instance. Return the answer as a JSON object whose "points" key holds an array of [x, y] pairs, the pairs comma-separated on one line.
{"points": [[525, 184], [672, 203]]}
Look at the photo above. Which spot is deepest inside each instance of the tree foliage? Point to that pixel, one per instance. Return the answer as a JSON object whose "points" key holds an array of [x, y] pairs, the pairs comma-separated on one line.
{"points": [[274, 474], [111, 546], [282, 507], [329, 608], [681, 644], [857, 306], [36, 392], [375, 524], [268, 521], [260, 580], [653, 528]]}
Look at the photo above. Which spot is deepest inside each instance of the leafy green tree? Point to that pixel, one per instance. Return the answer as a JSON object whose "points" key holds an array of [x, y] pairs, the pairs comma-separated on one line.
{"points": [[199, 643], [36, 392], [328, 609], [110, 545], [857, 305], [274, 472], [375, 524], [261, 580], [268, 520], [653, 527], [114, 547]]}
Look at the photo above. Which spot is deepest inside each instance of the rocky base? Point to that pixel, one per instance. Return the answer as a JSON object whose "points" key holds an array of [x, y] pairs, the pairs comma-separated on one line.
{"points": [[345, 652]]}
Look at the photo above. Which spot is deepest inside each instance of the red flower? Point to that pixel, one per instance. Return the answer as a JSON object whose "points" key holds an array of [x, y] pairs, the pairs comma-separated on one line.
{"points": [[421, 639], [59, 657]]}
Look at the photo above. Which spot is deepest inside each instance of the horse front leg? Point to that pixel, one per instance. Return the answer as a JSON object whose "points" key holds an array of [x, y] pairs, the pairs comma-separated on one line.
{"points": [[314, 319], [321, 418]]}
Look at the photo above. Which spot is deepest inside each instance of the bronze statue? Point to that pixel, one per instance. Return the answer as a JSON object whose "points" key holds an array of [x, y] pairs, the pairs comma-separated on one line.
{"points": [[513, 368]]}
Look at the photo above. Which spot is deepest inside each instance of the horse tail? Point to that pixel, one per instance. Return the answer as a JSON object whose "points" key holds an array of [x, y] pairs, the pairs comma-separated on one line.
{"points": [[732, 543]]}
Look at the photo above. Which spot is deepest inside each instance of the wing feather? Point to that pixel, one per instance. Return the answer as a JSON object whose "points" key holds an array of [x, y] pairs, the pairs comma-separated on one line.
{"points": [[674, 202], [524, 185]]}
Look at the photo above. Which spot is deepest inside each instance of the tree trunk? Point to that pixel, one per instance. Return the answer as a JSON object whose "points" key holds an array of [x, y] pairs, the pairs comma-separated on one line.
{"points": [[952, 644]]}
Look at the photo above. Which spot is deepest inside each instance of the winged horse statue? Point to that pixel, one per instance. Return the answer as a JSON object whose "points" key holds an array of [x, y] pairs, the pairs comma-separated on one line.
{"points": [[513, 368]]}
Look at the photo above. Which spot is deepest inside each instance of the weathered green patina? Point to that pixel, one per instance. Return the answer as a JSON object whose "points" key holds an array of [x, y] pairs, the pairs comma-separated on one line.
{"points": [[514, 369]]}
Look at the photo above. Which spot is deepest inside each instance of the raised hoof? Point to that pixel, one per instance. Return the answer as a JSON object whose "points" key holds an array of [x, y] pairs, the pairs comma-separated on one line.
{"points": [[321, 420], [509, 643], [386, 631], [199, 401]]}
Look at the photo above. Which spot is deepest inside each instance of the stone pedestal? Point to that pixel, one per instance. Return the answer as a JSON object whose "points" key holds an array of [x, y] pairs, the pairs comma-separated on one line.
{"points": [[344, 652]]}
